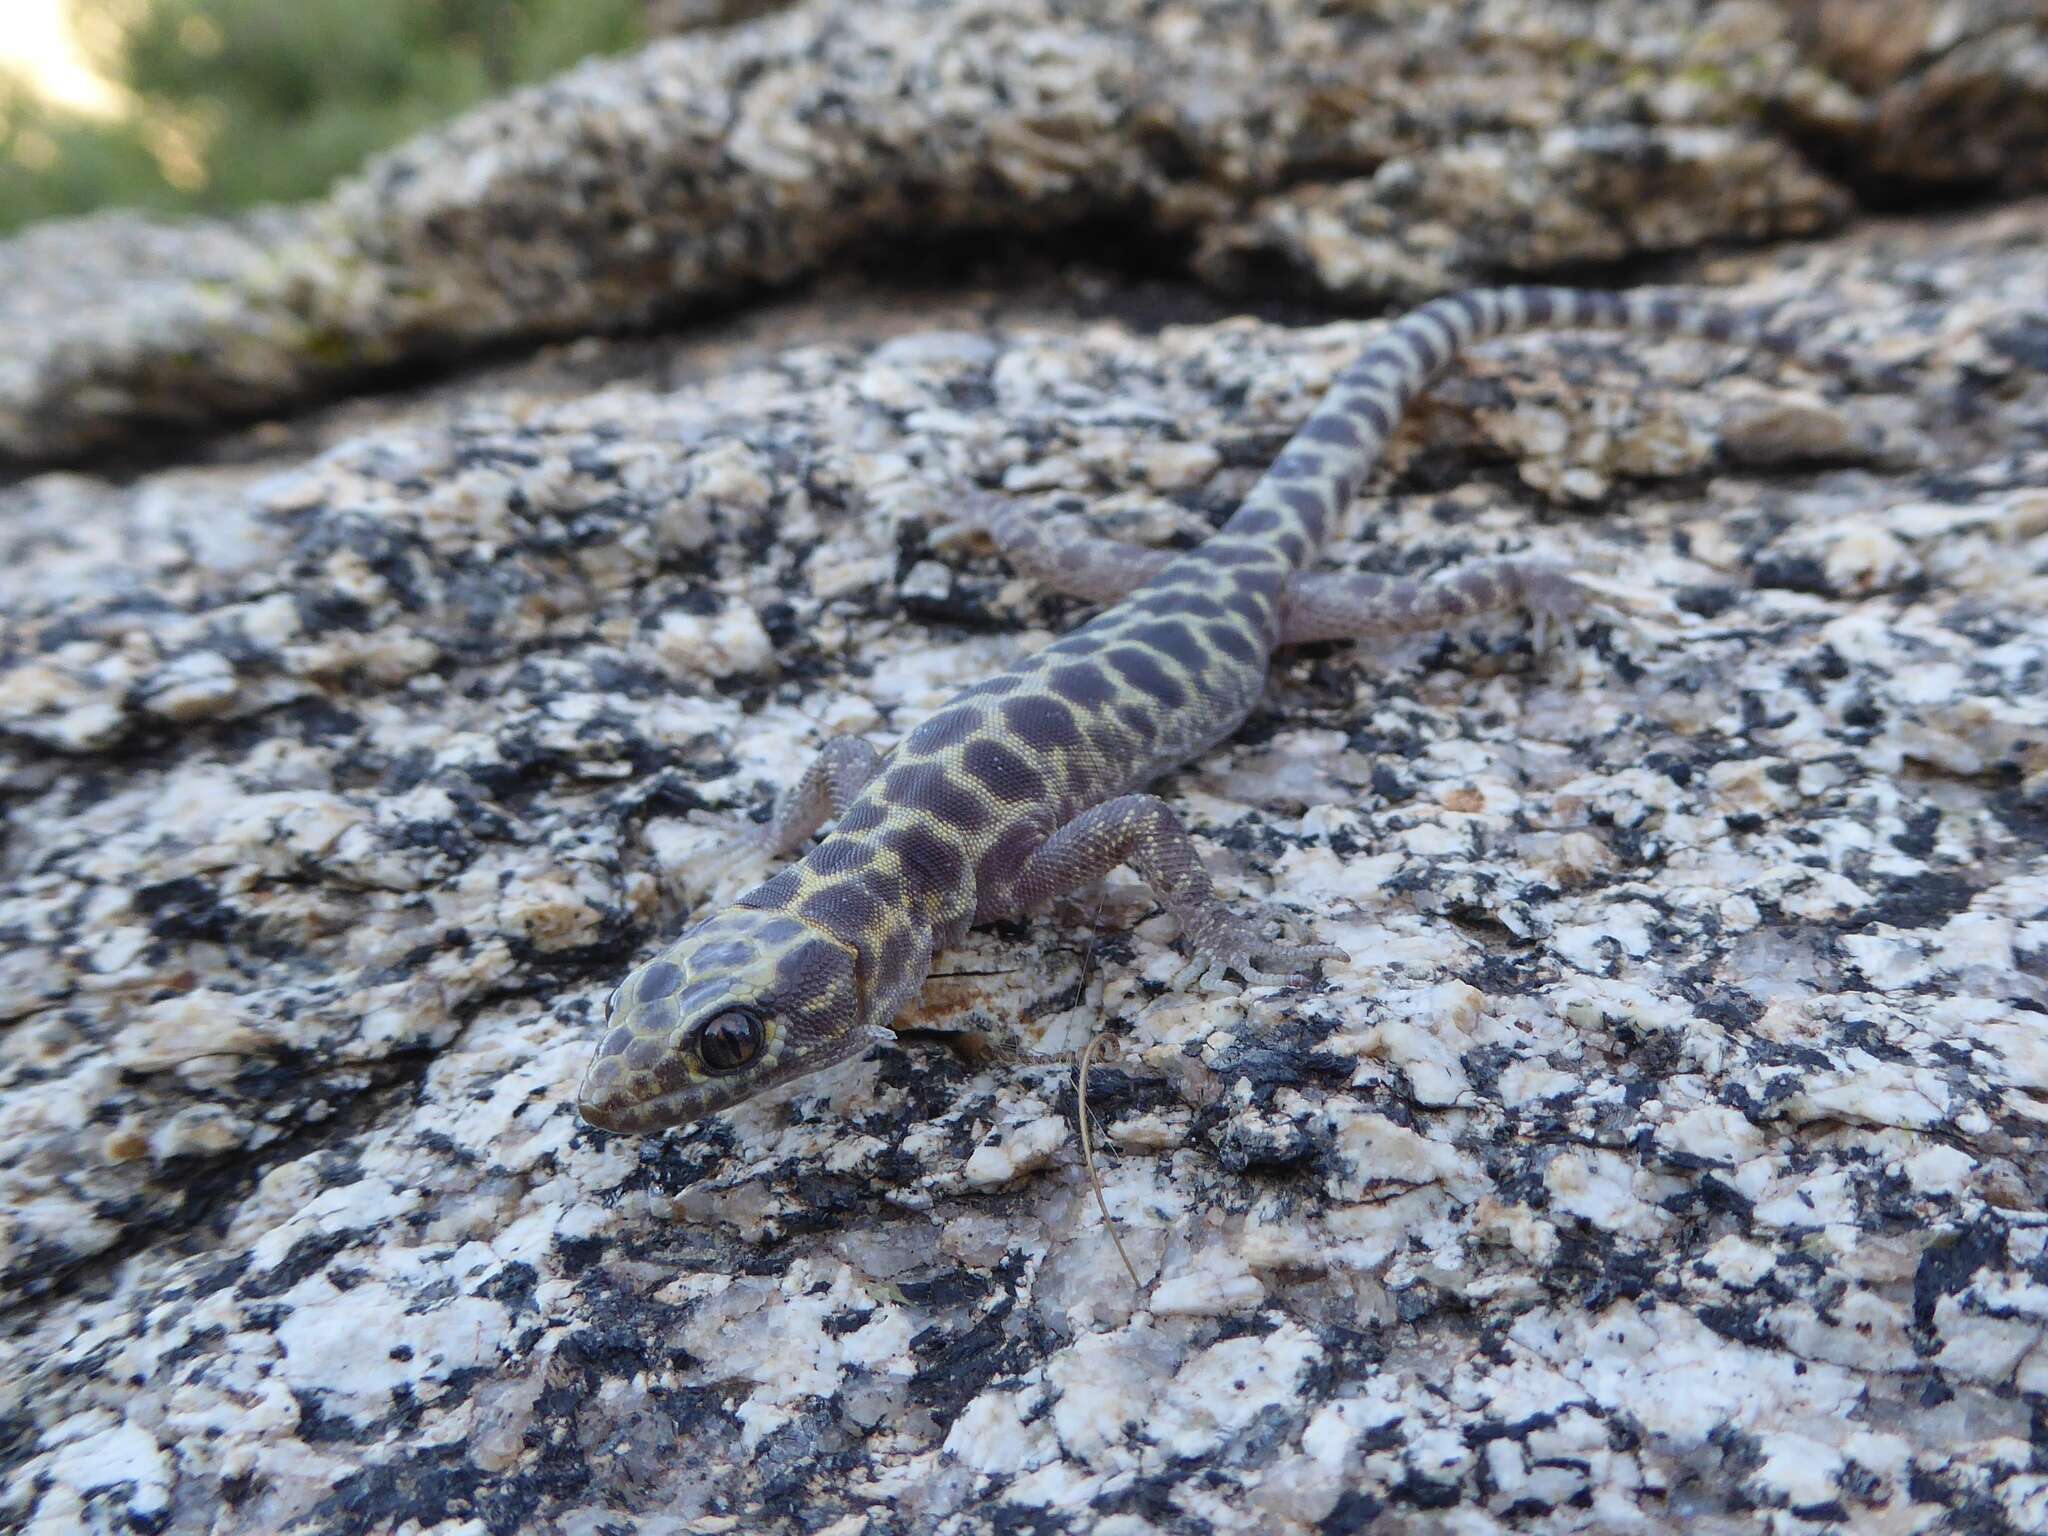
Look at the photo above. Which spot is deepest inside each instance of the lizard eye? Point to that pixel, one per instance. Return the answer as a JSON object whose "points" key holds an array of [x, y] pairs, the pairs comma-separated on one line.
{"points": [[729, 1040]]}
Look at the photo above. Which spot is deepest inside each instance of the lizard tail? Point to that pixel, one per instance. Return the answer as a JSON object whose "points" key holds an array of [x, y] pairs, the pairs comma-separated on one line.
{"points": [[1322, 466]]}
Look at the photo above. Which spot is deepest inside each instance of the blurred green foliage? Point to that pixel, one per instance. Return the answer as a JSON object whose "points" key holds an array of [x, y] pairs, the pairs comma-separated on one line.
{"points": [[236, 102]]}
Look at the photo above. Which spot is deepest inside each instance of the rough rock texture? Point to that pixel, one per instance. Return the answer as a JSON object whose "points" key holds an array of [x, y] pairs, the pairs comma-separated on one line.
{"points": [[1669, 1154], [1672, 1147], [1366, 151]]}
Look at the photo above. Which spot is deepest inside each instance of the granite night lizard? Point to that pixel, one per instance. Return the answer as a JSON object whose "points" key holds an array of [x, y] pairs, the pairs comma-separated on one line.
{"points": [[1027, 786]]}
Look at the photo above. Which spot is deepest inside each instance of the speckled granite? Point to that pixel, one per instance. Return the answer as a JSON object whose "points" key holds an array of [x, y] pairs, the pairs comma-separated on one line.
{"points": [[1670, 1153], [1361, 152]]}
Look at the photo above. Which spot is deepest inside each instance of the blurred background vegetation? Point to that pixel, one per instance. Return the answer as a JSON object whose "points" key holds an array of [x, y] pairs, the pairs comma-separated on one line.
{"points": [[210, 105]]}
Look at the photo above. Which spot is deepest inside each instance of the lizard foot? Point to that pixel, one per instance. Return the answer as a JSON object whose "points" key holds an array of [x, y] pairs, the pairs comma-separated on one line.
{"points": [[1233, 943], [1554, 599]]}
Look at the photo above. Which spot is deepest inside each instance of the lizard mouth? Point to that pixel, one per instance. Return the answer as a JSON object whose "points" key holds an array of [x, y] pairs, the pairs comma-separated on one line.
{"points": [[621, 1102]]}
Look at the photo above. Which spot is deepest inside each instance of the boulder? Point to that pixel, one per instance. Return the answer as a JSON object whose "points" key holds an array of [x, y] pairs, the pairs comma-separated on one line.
{"points": [[1670, 1149]]}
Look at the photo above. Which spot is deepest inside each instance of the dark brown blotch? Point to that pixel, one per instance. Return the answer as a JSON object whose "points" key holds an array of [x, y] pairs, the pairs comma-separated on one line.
{"points": [[845, 910], [1003, 773], [864, 816], [673, 1074], [1112, 746], [1229, 553], [994, 687], [1080, 640], [927, 787], [1041, 723], [1419, 345], [1308, 506], [894, 959], [1471, 309], [1379, 362], [1255, 608], [998, 869], [725, 955], [1140, 722], [884, 884], [1372, 413], [1081, 684], [948, 728], [1142, 671], [699, 995], [1156, 600], [809, 975], [1182, 574], [776, 893], [1432, 316], [1232, 642], [932, 865], [779, 930], [656, 980], [1175, 641], [1326, 427]]}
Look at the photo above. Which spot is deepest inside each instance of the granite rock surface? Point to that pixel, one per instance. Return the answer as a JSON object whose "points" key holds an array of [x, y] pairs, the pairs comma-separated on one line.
{"points": [[1670, 1152], [1355, 151]]}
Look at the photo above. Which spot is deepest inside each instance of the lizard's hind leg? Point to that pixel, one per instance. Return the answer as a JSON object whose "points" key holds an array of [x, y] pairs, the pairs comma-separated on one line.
{"points": [[1322, 605]]}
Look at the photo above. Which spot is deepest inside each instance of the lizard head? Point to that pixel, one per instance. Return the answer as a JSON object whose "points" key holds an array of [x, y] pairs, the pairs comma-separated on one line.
{"points": [[743, 1002]]}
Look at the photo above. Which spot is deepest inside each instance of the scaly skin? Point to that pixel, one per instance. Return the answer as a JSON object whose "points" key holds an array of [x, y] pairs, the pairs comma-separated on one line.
{"points": [[1021, 788]]}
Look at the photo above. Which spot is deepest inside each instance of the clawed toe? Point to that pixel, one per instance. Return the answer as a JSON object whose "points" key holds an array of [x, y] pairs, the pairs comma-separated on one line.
{"points": [[1257, 960], [1296, 960], [1554, 599]]}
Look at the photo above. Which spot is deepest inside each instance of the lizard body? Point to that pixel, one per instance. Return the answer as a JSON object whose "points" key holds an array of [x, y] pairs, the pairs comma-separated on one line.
{"points": [[1024, 786]]}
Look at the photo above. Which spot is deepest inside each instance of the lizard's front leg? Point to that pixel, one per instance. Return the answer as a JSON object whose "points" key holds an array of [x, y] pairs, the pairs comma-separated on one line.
{"points": [[835, 777], [1143, 832]]}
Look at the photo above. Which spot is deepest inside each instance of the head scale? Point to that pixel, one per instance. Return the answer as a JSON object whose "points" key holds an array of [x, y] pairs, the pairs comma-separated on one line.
{"points": [[744, 1001]]}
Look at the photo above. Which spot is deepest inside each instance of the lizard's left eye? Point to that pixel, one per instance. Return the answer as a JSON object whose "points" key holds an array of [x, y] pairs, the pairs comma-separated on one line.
{"points": [[729, 1040]]}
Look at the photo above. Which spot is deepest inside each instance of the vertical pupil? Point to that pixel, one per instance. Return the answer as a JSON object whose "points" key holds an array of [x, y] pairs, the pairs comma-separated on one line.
{"points": [[729, 1041]]}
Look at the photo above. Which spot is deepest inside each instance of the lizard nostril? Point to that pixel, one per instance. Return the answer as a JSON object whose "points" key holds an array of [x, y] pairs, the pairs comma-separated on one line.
{"points": [[604, 1101]]}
